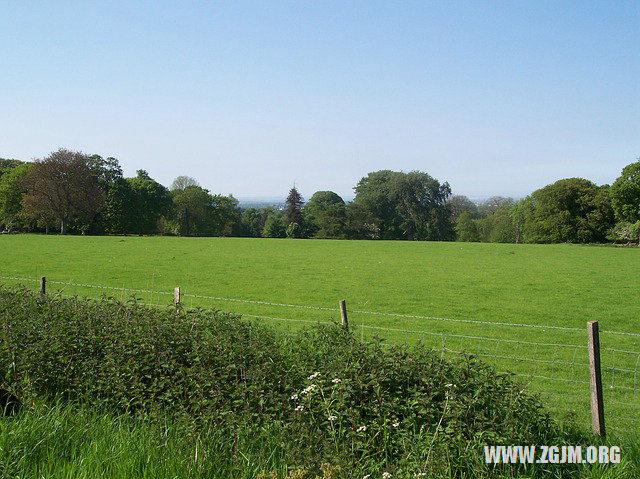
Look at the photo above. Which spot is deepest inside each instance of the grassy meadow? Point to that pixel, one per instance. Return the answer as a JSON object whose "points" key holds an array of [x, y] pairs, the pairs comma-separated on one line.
{"points": [[523, 308]]}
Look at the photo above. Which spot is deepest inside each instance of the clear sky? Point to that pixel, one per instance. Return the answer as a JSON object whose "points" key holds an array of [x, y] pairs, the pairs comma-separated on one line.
{"points": [[497, 97]]}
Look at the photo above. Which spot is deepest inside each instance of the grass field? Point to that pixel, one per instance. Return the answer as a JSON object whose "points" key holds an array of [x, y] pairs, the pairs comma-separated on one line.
{"points": [[522, 307]]}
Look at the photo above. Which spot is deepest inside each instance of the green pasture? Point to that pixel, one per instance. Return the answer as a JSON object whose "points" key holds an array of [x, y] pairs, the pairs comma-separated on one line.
{"points": [[522, 307]]}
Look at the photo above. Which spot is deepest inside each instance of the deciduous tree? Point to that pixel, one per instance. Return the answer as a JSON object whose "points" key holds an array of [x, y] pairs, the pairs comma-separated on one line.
{"points": [[406, 205], [62, 186], [325, 215]]}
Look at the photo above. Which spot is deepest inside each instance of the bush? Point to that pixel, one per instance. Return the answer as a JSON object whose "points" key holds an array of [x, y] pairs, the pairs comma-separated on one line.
{"points": [[362, 405]]}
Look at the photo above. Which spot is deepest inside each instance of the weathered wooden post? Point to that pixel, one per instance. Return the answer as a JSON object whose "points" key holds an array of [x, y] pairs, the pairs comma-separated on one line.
{"points": [[176, 298], [43, 286], [597, 405], [343, 314]]}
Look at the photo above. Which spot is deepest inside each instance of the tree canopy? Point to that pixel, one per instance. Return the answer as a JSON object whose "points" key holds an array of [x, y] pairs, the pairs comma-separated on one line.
{"points": [[149, 202], [90, 194], [325, 215], [293, 208], [404, 205], [571, 210], [62, 186], [11, 191], [625, 193]]}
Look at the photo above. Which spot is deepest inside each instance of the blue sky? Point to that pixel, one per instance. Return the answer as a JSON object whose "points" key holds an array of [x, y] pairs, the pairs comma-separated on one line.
{"points": [[497, 98]]}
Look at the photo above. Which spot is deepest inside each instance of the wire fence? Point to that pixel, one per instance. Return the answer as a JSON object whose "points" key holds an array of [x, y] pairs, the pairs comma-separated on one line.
{"points": [[551, 360]]}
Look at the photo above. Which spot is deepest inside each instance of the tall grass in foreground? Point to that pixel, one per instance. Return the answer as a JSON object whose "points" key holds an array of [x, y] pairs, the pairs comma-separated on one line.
{"points": [[84, 443], [71, 442]]}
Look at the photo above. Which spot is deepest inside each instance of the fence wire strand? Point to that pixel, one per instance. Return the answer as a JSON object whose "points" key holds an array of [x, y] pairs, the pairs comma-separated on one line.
{"points": [[508, 355]]}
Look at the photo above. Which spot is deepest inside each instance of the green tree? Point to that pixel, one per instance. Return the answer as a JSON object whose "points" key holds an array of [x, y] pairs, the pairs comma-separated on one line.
{"points": [[11, 193], [150, 201], [405, 205], [182, 182], [466, 228], [225, 215], [625, 196], [571, 210], [325, 215], [518, 216], [63, 186], [114, 216], [192, 211], [293, 208], [274, 225], [293, 231], [251, 223], [6, 165], [459, 204], [196, 212], [500, 224]]}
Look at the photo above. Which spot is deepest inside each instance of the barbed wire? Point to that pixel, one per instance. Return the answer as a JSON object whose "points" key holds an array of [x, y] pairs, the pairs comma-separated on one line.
{"points": [[320, 308], [620, 386]]}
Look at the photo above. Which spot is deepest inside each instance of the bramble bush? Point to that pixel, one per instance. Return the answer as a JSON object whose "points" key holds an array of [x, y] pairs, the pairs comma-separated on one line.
{"points": [[357, 405]]}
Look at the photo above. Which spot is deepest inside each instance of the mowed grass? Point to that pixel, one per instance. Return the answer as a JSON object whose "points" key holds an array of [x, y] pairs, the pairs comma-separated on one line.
{"points": [[472, 284]]}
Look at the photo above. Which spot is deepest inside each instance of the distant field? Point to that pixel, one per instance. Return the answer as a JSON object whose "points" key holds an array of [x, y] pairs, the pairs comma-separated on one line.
{"points": [[470, 285]]}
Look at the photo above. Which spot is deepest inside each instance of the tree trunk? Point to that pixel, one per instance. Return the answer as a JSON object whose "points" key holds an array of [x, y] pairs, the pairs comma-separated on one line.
{"points": [[46, 229], [63, 226]]}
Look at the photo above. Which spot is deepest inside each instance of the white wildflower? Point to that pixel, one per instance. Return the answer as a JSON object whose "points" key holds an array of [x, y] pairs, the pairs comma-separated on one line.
{"points": [[386, 475], [336, 381], [313, 376], [332, 418], [294, 397], [367, 476], [299, 408], [361, 429], [448, 385], [309, 389], [396, 424]]}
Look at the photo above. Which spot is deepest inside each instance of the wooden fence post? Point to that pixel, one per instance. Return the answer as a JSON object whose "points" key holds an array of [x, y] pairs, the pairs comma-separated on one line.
{"points": [[176, 298], [343, 314], [597, 406], [43, 286]]}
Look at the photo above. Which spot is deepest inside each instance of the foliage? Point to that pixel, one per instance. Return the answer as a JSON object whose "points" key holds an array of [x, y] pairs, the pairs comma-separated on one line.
{"points": [[198, 213], [459, 204], [325, 215], [182, 182], [466, 228], [294, 230], [150, 201], [571, 210], [274, 225], [624, 232], [63, 186], [251, 223], [114, 216], [518, 217], [293, 208], [65, 440], [625, 194], [348, 402], [11, 192], [405, 205], [6, 165]]}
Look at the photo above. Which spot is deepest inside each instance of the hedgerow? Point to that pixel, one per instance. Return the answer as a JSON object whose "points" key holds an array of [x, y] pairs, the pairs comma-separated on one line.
{"points": [[356, 405]]}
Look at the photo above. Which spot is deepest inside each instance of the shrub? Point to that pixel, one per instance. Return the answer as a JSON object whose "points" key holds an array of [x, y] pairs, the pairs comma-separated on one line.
{"points": [[343, 401]]}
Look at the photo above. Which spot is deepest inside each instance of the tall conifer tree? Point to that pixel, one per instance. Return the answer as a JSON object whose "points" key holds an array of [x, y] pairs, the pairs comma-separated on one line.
{"points": [[293, 213]]}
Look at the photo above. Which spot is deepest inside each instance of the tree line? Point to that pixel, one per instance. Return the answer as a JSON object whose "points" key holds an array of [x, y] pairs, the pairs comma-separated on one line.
{"points": [[88, 194]]}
